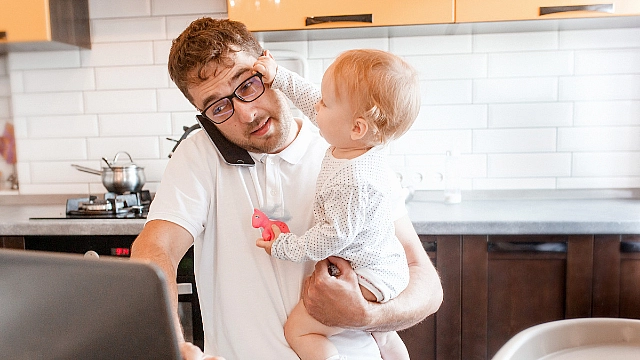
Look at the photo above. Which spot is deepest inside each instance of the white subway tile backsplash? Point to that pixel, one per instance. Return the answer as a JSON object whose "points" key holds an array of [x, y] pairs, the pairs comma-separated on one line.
{"points": [[52, 149], [508, 42], [514, 140], [135, 124], [55, 80], [5, 108], [161, 52], [173, 100], [431, 45], [548, 183], [53, 172], [600, 87], [66, 126], [599, 38], [441, 92], [511, 90], [133, 29], [139, 147], [132, 77], [120, 101], [432, 142], [171, 7], [532, 63], [332, 48], [44, 60], [530, 115], [57, 103], [599, 182], [467, 66], [527, 109], [114, 54], [101, 9], [529, 165], [451, 117], [606, 164], [623, 61], [607, 113], [620, 138]]}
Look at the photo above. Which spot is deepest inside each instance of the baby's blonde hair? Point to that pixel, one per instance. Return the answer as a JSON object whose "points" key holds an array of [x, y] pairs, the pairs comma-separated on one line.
{"points": [[381, 87]]}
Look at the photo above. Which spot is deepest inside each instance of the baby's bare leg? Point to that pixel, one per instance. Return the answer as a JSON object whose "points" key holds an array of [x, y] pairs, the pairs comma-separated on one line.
{"points": [[390, 344], [308, 337]]}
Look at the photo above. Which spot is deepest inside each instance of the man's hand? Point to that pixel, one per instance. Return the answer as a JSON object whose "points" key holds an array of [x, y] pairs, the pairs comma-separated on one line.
{"points": [[192, 352], [335, 300]]}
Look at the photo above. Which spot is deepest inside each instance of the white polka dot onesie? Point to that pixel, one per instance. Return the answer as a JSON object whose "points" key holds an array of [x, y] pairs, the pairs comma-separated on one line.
{"points": [[352, 212]]}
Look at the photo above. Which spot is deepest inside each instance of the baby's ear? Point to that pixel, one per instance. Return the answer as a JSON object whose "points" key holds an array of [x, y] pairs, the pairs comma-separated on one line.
{"points": [[360, 128]]}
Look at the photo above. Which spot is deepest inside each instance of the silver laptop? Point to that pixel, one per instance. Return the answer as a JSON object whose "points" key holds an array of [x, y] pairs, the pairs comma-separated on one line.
{"points": [[64, 306]]}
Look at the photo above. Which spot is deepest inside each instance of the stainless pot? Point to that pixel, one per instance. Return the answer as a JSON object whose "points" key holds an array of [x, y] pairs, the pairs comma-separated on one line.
{"points": [[119, 179]]}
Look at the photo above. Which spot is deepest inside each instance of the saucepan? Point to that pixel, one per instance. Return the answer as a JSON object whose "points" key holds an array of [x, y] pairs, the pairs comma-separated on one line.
{"points": [[117, 178]]}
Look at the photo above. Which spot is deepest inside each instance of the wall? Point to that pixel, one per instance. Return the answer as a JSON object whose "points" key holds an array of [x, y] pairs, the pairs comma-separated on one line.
{"points": [[6, 169], [527, 110]]}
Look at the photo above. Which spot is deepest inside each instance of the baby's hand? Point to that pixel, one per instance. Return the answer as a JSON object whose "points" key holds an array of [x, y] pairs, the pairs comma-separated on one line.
{"points": [[267, 66], [266, 245]]}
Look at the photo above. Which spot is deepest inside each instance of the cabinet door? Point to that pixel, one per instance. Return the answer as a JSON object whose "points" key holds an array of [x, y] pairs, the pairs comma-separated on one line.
{"points": [[438, 337], [510, 283], [497, 10], [295, 14], [24, 20]]}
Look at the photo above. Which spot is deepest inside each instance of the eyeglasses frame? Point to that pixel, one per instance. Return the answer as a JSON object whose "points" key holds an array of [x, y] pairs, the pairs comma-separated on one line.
{"points": [[232, 96]]}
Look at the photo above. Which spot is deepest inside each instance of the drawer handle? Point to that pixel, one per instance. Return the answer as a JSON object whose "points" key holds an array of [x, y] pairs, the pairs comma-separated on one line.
{"points": [[608, 8], [3, 35], [629, 246], [539, 247], [314, 20]]}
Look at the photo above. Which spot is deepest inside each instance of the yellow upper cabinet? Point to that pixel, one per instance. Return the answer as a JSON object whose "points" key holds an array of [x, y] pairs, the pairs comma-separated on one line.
{"points": [[499, 10], [265, 15], [31, 23]]}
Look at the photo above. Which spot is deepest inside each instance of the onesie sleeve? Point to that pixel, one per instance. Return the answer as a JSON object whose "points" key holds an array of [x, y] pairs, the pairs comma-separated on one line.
{"points": [[299, 90]]}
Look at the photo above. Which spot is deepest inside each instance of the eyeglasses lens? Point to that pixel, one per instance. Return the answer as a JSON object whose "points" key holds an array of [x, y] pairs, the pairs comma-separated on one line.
{"points": [[248, 91]]}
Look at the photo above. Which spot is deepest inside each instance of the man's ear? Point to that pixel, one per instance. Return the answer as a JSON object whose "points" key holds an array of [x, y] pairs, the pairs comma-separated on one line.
{"points": [[360, 128]]}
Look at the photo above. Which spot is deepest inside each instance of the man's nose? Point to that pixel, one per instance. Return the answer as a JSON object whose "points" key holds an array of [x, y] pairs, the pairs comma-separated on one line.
{"points": [[244, 111]]}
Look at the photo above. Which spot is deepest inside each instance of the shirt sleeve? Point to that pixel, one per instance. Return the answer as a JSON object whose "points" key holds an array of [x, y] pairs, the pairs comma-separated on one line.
{"points": [[299, 90], [344, 216]]}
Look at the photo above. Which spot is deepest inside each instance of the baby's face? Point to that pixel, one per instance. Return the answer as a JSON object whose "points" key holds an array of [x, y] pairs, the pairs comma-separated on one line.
{"points": [[335, 114]]}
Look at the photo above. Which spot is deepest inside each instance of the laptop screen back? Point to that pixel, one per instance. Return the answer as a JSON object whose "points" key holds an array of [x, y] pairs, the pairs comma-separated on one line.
{"points": [[63, 306]]}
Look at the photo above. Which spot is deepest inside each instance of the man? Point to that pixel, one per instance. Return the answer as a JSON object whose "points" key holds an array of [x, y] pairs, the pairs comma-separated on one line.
{"points": [[205, 202]]}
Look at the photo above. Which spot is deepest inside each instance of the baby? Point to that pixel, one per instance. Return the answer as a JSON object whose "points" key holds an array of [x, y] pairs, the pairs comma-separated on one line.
{"points": [[368, 98]]}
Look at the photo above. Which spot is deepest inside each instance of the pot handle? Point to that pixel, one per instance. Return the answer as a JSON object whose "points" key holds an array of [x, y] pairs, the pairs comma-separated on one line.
{"points": [[115, 159], [87, 170]]}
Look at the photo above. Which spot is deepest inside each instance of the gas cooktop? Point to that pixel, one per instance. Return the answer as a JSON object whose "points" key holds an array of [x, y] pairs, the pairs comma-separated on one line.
{"points": [[111, 206]]}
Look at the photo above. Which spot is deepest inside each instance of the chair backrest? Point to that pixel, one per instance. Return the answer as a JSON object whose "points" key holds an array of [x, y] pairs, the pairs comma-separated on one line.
{"points": [[584, 339], [63, 306]]}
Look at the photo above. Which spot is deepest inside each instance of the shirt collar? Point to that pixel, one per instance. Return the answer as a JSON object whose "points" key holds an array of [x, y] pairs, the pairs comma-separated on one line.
{"points": [[296, 150]]}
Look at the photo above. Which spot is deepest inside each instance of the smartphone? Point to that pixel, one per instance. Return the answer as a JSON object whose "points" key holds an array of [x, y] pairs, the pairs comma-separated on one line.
{"points": [[231, 153]]}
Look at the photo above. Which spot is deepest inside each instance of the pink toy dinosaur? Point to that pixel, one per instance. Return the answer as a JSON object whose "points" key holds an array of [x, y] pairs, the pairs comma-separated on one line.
{"points": [[260, 220]]}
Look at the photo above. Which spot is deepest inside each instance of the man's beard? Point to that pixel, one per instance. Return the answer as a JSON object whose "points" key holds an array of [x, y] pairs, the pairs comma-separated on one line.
{"points": [[281, 127]]}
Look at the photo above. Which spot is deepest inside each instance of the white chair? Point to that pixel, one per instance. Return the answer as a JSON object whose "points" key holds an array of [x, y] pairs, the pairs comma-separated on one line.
{"points": [[576, 339]]}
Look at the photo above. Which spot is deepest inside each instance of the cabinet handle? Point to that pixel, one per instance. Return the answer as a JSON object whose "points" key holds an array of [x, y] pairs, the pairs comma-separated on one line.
{"points": [[3, 35], [608, 8], [313, 20], [554, 247], [629, 246]]}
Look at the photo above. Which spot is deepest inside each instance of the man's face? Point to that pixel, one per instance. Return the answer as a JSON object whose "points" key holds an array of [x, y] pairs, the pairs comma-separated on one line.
{"points": [[263, 125]]}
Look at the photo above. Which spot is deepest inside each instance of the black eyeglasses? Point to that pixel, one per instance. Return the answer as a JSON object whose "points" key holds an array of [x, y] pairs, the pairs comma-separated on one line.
{"points": [[221, 110]]}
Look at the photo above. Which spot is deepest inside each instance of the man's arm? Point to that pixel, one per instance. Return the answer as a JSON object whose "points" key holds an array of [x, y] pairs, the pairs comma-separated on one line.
{"points": [[337, 301], [164, 243]]}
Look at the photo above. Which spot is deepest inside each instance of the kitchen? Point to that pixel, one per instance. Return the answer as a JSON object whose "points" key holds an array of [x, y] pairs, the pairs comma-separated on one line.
{"points": [[539, 112]]}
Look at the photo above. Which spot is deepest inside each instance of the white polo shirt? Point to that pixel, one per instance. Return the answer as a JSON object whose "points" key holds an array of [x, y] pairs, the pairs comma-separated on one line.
{"points": [[245, 294]]}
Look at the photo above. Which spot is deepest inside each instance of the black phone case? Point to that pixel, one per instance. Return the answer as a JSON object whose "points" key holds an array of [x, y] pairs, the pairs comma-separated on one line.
{"points": [[231, 153]]}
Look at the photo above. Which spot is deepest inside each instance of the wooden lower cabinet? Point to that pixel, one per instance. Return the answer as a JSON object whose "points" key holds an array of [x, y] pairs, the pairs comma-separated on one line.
{"points": [[12, 242], [496, 286]]}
